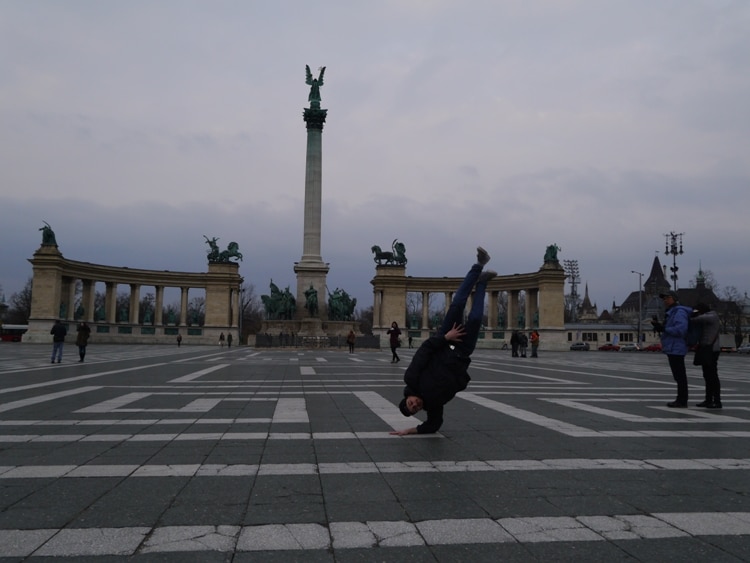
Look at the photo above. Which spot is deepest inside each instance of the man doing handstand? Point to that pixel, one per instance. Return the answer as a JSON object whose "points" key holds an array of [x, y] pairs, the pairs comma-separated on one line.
{"points": [[438, 370]]}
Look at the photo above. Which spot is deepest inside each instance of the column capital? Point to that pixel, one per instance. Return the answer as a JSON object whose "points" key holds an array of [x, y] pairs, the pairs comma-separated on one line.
{"points": [[315, 118]]}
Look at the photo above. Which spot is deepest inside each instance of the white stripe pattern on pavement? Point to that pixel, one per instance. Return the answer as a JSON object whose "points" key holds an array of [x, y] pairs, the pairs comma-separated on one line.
{"points": [[363, 467], [82, 542]]}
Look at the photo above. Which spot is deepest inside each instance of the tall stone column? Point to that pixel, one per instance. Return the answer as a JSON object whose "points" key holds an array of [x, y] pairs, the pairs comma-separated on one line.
{"points": [[311, 270]]}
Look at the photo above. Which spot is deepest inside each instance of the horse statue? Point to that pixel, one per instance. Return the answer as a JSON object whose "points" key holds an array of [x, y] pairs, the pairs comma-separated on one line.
{"points": [[396, 257], [214, 255], [279, 305], [232, 251], [381, 256], [340, 306]]}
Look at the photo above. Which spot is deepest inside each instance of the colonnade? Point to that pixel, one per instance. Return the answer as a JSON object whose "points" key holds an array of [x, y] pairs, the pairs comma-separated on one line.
{"points": [[543, 309], [54, 297]]}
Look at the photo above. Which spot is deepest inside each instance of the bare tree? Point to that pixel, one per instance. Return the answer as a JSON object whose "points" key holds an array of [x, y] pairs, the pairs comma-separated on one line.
{"points": [[365, 318], [196, 311], [251, 314], [20, 305]]}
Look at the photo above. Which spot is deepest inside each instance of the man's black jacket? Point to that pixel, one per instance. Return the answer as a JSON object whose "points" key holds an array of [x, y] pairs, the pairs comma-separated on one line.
{"points": [[436, 373]]}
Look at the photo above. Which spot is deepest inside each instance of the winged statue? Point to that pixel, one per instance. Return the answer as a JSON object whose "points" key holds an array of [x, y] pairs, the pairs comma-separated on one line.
{"points": [[315, 84]]}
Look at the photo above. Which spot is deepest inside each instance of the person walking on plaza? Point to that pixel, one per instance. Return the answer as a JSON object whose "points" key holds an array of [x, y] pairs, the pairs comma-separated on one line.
{"points": [[395, 341], [350, 340], [179, 340], [229, 340], [438, 369], [82, 339], [534, 339], [221, 340], [707, 354], [58, 333], [674, 343]]}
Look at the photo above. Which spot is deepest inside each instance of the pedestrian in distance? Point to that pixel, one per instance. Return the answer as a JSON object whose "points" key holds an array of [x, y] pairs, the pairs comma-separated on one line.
{"points": [[673, 332], [707, 354], [438, 369], [58, 333], [395, 341], [410, 341], [514, 344], [534, 340], [221, 340], [351, 338], [229, 340], [523, 344], [82, 339], [179, 340]]}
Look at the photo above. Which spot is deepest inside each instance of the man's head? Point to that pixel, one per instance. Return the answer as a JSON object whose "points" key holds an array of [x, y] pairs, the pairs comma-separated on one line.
{"points": [[410, 405], [669, 298]]}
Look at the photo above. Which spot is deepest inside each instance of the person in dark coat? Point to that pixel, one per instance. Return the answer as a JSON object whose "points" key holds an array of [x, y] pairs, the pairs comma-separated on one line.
{"points": [[82, 339], [514, 344], [394, 340], [710, 327], [58, 333], [438, 369]]}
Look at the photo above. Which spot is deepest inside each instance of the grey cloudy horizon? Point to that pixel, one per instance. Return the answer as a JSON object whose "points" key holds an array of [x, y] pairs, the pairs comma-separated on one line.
{"points": [[136, 128]]}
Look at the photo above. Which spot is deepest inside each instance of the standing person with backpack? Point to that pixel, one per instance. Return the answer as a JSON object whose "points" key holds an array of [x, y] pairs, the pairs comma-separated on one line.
{"points": [[673, 332], [707, 354]]}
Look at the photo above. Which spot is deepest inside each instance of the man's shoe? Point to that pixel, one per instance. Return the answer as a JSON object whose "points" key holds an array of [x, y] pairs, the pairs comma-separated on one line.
{"points": [[482, 256], [703, 404], [677, 405], [714, 405], [484, 277]]}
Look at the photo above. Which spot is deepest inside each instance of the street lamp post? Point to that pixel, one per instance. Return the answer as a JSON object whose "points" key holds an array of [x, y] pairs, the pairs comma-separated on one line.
{"points": [[640, 302], [671, 248]]}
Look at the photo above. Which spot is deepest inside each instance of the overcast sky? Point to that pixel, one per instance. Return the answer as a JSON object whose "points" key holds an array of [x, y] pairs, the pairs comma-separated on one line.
{"points": [[134, 128]]}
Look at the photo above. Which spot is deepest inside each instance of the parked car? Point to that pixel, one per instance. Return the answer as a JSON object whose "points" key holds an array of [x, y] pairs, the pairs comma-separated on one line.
{"points": [[609, 347], [744, 349], [629, 347], [656, 347], [580, 346]]}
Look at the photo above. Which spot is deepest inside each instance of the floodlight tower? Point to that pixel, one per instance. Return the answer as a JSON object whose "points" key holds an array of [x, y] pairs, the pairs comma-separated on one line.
{"points": [[640, 302], [671, 248], [571, 269]]}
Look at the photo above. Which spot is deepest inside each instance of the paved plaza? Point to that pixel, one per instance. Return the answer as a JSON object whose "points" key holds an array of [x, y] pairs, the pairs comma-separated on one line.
{"points": [[160, 453]]}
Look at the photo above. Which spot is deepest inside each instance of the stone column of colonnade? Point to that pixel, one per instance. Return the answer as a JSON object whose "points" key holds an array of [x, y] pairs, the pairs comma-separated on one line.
{"points": [[135, 301], [159, 306]]}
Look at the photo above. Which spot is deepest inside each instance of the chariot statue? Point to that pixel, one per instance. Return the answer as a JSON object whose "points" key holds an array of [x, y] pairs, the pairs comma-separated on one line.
{"points": [[396, 257], [215, 255]]}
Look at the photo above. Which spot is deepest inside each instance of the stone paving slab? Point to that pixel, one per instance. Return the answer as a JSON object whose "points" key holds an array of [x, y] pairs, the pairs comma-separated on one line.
{"points": [[205, 454]]}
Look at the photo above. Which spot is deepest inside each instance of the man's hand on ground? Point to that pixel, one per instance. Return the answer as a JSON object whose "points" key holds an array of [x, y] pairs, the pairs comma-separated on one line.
{"points": [[404, 432]]}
